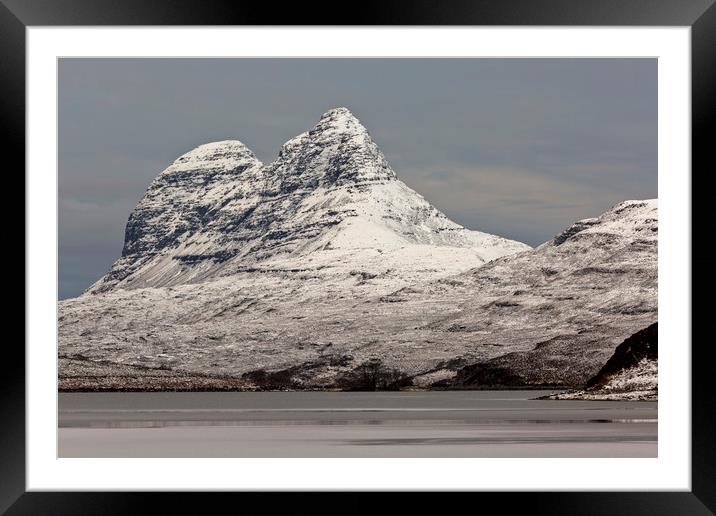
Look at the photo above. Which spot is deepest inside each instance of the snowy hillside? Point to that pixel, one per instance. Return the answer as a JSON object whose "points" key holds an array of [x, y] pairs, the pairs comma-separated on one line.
{"points": [[559, 311], [236, 274]]}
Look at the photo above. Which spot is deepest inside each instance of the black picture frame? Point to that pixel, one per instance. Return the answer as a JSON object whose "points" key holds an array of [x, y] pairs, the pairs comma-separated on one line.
{"points": [[700, 15]]}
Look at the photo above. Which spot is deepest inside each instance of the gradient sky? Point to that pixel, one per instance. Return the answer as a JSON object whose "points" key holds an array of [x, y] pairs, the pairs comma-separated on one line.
{"points": [[516, 147]]}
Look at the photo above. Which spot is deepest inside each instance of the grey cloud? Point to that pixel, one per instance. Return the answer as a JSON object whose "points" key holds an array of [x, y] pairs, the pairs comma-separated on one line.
{"points": [[509, 200]]}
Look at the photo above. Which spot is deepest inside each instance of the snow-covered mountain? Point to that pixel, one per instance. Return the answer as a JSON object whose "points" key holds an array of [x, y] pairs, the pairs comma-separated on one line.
{"points": [[236, 274], [330, 195]]}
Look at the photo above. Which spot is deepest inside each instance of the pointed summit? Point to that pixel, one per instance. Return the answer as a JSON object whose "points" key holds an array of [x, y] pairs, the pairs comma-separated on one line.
{"points": [[340, 121], [337, 151], [340, 111], [340, 116]]}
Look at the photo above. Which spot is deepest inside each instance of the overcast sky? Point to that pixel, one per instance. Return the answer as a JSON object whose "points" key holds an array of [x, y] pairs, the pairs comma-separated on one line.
{"points": [[517, 147]]}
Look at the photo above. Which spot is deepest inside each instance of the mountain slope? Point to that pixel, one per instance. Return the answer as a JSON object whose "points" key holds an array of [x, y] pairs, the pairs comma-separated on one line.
{"points": [[181, 205], [562, 308], [549, 316], [217, 210]]}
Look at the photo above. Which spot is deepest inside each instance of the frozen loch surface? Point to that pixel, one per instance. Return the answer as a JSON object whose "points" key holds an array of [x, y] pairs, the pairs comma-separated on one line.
{"points": [[343, 424]]}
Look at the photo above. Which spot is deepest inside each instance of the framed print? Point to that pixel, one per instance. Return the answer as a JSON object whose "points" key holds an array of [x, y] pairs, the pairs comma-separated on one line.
{"points": [[421, 249]]}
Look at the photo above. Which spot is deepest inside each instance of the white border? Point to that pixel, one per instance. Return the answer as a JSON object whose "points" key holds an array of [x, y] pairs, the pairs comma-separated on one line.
{"points": [[671, 471]]}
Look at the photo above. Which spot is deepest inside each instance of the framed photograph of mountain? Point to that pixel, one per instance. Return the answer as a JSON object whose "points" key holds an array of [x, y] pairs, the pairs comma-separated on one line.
{"points": [[384, 253]]}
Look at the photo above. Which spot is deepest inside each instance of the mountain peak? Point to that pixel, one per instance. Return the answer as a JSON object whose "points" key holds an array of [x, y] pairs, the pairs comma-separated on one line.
{"points": [[339, 120], [226, 155], [339, 113], [626, 217], [337, 151]]}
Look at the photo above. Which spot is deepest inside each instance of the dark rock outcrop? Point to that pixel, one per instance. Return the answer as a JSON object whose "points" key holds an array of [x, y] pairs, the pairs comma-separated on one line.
{"points": [[629, 354], [630, 374]]}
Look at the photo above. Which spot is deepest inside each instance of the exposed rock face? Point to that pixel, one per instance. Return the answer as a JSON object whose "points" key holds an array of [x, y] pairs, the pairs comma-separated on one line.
{"points": [[217, 210], [630, 374], [181, 209], [641, 346], [302, 271]]}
